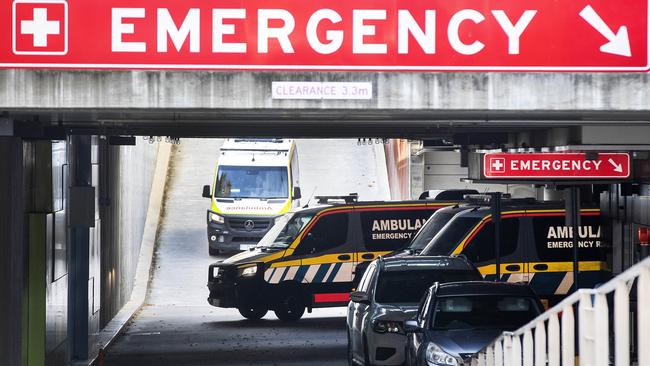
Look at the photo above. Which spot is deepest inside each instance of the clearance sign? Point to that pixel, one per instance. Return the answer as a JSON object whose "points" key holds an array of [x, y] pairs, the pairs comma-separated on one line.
{"points": [[386, 35], [531, 166]]}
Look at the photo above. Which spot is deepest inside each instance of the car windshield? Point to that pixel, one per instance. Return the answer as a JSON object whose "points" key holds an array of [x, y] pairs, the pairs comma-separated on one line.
{"points": [[483, 312], [285, 230], [407, 287], [252, 182], [431, 228], [446, 240]]}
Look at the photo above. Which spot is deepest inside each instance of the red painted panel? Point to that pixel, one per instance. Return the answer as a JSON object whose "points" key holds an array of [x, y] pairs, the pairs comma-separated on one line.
{"points": [[338, 297]]}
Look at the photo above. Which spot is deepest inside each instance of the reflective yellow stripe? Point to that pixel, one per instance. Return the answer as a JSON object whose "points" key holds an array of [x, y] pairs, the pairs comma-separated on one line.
{"points": [[271, 257], [323, 259], [583, 266], [568, 266], [375, 255], [295, 262], [492, 268]]}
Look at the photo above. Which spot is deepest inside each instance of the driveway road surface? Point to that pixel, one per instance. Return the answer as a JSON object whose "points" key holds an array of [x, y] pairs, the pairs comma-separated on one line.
{"points": [[177, 326]]}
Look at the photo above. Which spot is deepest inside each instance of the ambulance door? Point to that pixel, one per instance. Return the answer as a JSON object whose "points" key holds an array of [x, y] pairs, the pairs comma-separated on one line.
{"points": [[552, 265], [326, 257], [480, 249]]}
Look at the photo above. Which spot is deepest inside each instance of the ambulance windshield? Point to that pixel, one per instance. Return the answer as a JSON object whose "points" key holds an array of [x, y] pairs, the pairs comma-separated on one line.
{"points": [[450, 235], [252, 182], [285, 230]]}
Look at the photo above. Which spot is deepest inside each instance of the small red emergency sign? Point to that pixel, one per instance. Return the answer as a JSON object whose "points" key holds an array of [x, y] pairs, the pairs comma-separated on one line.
{"points": [[556, 166]]}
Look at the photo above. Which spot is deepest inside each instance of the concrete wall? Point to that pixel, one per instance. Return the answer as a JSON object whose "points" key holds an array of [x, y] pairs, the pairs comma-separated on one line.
{"points": [[125, 180], [12, 252], [33, 183], [129, 90]]}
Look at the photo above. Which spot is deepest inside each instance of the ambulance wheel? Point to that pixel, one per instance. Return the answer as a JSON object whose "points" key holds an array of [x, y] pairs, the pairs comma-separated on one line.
{"points": [[213, 251], [252, 313], [291, 308]]}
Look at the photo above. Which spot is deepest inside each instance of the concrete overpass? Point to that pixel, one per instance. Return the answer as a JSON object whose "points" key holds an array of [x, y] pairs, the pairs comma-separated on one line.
{"points": [[205, 103], [57, 169]]}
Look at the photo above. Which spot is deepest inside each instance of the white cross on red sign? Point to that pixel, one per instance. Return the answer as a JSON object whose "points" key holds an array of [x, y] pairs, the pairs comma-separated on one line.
{"points": [[40, 27], [386, 35], [535, 166]]}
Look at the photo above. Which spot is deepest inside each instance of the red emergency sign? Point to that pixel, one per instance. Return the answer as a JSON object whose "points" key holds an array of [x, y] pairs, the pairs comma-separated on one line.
{"points": [[388, 35], [536, 166]]}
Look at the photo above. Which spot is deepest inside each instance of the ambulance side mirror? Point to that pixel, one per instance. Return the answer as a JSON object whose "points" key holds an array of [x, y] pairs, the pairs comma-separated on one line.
{"points": [[296, 193], [206, 191]]}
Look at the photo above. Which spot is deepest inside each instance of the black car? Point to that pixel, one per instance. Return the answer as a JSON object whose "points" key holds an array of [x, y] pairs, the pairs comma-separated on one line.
{"points": [[455, 320], [387, 295]]}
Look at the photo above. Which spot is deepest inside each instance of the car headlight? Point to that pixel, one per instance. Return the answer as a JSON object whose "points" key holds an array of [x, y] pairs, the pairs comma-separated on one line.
{"points": [[215, 272], [249, 271], [388, 327], [437, 357], [217, 218]]}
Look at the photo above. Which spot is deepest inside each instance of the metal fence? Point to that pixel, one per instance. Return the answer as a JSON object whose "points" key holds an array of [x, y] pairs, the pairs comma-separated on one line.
{"points": [[550, 339]]}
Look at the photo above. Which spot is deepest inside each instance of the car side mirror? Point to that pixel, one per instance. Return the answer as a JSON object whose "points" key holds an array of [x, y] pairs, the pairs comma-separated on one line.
{"points": [[360, 297], [296, 193], [411, 326], [206, 192]]}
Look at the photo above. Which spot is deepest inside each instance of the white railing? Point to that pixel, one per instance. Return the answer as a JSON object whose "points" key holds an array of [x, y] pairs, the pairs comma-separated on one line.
{"points": [[550, 339]]}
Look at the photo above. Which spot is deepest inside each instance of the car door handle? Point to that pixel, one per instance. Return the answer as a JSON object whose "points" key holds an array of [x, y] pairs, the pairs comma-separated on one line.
{"points": [[368, 256], [513, 267], [344, 257], [540, 267]]}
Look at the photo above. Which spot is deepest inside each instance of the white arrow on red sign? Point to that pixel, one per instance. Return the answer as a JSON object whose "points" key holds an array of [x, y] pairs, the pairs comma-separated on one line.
{"points": [[619, 43], [617, 167]]}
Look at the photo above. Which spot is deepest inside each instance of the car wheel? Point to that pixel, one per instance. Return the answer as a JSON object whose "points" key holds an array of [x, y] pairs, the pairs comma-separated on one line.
{"points": [[252, 313], [291, 308], [213, 251]]}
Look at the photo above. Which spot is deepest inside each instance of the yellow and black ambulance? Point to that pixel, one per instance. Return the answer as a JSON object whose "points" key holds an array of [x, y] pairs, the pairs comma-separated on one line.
{"points": [[308, 258], [536, 245]]}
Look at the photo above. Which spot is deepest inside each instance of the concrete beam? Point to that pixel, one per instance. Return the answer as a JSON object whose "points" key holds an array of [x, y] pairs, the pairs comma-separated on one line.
{"points": [[22, 90]]}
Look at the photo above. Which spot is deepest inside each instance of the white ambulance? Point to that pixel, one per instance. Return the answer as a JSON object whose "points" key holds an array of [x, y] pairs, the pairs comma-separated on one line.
{"points": [[256, 180]]}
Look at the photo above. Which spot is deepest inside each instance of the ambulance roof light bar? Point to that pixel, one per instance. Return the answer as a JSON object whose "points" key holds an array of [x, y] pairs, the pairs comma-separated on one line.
{"points": [[350, 198], [486, 199]]}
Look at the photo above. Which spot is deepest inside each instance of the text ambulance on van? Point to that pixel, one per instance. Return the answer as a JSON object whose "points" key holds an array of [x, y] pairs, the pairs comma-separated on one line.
{"points": [[256, 180]]}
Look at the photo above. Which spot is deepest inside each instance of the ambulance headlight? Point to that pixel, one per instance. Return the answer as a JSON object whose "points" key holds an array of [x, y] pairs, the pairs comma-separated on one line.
{"points": [[249, 271], [217, 218], [437, 357]]}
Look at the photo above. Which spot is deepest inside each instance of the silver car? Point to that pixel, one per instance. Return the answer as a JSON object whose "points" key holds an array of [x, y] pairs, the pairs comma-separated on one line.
{"points": [[388, 294]]}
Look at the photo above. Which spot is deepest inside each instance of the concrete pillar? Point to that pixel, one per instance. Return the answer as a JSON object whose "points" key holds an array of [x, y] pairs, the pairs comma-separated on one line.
{"points": [[81, 176], [12, 251]]}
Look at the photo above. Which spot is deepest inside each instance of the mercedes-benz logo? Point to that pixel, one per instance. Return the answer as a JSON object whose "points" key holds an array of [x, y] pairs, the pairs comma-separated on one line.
{"points": [[249, 225]]}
